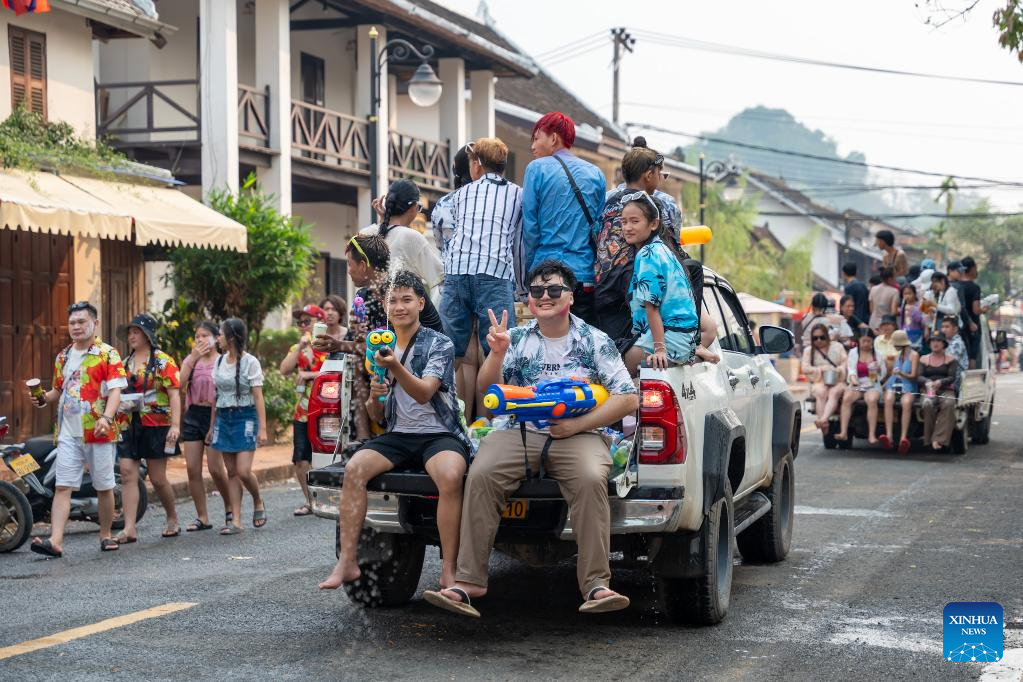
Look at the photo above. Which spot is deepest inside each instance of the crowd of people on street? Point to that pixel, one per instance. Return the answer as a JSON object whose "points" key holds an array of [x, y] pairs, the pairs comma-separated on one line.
{"points": [[900, 342], [602, 274]]}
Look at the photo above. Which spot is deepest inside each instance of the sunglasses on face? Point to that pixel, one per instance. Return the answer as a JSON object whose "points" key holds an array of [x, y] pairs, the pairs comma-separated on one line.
{"points": [[819, 338], [305, 322], [553, 290]]}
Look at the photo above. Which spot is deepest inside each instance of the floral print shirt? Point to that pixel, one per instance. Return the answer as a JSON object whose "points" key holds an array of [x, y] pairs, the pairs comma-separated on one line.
{"points": [[660, 279], [162, 375], [100, 372]]}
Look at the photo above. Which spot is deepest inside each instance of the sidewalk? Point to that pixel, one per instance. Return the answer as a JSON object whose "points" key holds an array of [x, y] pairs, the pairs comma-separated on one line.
{"points": [[272, 464]]}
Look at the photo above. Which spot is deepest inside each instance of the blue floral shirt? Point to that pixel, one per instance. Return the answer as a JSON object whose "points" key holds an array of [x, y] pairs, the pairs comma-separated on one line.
{"points": [[660, 279]]}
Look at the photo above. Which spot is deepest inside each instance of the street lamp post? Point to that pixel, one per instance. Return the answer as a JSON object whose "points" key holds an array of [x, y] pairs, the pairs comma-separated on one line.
{"points": [[424, 88], [718, 170]]}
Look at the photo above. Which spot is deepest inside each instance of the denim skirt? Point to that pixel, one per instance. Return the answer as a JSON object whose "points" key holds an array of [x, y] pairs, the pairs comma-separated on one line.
{"points": [[235, 429]]}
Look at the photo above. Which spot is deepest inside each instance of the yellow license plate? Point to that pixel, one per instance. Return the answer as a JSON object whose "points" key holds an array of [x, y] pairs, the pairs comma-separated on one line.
{"points": [[24, 465], [516, 509]]}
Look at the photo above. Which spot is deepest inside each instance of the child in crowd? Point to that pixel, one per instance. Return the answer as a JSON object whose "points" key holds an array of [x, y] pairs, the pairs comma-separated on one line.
{"points": [[423, 431], [663, 309]]}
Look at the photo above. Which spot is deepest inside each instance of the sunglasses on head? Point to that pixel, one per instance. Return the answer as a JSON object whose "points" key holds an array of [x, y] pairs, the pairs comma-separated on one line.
{"points": [[553, 290]]}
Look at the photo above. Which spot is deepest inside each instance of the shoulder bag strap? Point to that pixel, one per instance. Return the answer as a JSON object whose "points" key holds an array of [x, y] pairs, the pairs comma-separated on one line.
{"points": [[577, 191]]}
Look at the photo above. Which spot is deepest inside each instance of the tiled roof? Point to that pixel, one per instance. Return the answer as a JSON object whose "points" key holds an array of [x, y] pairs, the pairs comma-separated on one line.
{"points": [[482, 30], [542, 93]]}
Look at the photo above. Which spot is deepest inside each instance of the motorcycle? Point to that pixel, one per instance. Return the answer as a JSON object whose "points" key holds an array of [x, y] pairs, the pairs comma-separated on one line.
{"points": [[28, 499]]}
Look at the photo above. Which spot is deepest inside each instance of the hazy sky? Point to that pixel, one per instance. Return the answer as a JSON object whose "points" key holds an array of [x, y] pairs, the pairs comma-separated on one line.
{"points": [[936, 125]]}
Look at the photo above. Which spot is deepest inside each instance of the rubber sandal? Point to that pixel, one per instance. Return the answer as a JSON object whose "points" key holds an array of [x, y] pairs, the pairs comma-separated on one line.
{"points": [[230, 530], [462, 608], [124, 539], [46, 548], [885, 441], [904, 446], [257, 516], [197, 525], [228, 518], [171, 534], [616, 602], [108, 545], [304, 510]]}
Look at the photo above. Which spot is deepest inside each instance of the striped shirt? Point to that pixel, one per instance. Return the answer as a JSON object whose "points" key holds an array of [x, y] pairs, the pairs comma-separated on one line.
{"points": [[487, 228]]}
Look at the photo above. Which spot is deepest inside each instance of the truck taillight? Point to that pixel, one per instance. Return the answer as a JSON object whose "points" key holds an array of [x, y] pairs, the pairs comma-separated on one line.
{"points": [[4, 430], [661, 430], [324, 427]]}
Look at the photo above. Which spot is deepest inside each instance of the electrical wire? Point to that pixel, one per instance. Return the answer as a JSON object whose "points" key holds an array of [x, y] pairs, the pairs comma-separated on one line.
{"points": [[573, 55], [546, 53], [575, 49]]}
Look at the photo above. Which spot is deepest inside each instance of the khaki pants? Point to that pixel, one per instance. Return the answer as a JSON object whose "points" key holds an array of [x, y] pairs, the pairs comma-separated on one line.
{"points": [[939, 419], [579, 464]]}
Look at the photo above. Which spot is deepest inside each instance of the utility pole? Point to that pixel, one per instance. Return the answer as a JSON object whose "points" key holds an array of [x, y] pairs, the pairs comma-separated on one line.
{"points": [[621, 38]]}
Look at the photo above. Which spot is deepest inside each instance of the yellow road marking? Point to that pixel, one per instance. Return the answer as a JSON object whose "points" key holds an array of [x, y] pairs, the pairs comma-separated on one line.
{"points": [[807, 429], [86, 630]]}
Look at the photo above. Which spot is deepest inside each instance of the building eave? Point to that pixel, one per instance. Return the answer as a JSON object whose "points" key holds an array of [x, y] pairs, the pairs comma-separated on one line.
{"points": [[143, 27]]}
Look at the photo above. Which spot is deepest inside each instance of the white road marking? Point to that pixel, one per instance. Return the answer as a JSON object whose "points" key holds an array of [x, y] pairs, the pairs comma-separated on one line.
{"points": [[828, 511], [1011, 665], [880, 632]]}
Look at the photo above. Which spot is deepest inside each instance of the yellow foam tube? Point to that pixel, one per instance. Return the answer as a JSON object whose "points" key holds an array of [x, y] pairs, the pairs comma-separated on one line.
{"points": [[695, 235]]}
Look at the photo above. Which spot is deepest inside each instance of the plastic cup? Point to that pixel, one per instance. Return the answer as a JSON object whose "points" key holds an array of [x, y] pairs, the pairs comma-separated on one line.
{"points": [[35, 386], [319, 329]]}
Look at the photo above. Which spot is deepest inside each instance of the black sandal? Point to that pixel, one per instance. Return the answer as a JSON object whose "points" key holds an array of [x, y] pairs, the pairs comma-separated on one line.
{"points": [[197, 525], [46, 548], [109, 545]]}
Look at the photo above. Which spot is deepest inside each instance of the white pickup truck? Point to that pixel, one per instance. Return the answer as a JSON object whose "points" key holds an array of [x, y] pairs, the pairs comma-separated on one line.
{"points": [[713, 467]]}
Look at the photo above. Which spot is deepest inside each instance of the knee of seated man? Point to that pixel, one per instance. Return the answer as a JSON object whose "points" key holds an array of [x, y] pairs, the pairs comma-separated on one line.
{"points": [[448, 480]]}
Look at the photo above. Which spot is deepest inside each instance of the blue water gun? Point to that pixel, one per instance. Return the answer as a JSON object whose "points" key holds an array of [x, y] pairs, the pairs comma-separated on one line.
{"points": [[382, 340], [549, 399]]}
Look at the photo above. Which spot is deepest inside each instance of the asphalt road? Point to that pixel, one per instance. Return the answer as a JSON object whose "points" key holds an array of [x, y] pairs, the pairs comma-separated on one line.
{"points": [[881, 544]]}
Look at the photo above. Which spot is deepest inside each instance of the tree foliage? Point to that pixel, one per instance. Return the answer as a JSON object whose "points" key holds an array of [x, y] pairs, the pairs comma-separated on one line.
{"points": [[753, 265], [1009, 22], [995, 243], [249, 285]]}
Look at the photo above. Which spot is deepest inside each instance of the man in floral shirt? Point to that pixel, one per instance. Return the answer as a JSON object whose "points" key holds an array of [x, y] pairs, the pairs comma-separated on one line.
{"points": [[87, 380], [555, 345]]}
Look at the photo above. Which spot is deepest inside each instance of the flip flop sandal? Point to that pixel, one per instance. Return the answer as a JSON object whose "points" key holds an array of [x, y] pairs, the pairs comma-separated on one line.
{"points": [[123, 539], [616, 602], [886, 442], [228, 518], [904, 446], [46, 548], [230, 530], [109, 545], [462, 608], [171, 534], [257, 516], [304, 510], [197, 525]]}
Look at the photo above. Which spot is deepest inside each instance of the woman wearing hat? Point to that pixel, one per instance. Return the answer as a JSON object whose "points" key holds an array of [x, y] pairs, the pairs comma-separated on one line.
{"points": [[901, 386], [150, 424], [410, 250], [939, 372]]}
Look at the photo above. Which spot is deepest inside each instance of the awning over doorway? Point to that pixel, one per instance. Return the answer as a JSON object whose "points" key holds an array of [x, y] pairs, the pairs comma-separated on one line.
{"points": [[758, 306], [44, 202]]}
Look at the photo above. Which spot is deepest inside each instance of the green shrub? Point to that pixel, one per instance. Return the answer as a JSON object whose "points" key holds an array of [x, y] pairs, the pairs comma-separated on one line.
{"points": [[274, 345], [176, 331], [280, 398]]}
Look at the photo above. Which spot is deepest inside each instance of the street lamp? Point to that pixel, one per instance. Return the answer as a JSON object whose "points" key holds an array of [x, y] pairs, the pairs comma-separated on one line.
{"points": [[717, 171], [424, 88]]}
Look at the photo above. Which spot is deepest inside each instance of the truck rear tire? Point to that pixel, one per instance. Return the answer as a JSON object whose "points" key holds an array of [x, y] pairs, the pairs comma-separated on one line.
{"points": [[769, 539], [704, 600], [982, 429], [829, 441], [960, 440], [390, 571]]}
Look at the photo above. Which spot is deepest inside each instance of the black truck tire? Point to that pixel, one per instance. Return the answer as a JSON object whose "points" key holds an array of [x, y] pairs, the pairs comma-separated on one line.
{"points": [[704, 600], [16, 514], [769, 539], [981, 432], [393, 580], [829, 440], [960, 442]]}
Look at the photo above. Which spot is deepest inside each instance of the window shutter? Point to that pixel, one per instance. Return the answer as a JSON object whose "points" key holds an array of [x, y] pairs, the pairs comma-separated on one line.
{"points": [[28, 69], [337, 277]]}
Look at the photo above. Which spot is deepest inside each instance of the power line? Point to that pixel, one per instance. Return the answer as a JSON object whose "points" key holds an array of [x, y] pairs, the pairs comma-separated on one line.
{"points": [[569, 45], [786, 152], [572, 49], [692, 44], [572, 55]]}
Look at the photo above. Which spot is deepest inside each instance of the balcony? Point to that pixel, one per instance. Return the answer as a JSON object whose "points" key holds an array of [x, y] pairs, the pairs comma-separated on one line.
{"points": [[329, 138], [426, 162]]}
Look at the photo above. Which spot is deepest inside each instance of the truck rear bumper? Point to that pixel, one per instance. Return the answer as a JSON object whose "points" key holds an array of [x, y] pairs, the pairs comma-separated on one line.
{"points": [[634, 515]]}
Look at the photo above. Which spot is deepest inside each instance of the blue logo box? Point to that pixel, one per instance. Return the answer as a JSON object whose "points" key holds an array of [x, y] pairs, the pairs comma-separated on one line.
{"points": [[972, 631]]}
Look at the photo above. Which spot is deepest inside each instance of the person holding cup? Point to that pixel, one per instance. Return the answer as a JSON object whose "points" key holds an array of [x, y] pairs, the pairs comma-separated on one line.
{"points": [[824, 364], [150, 420], [865, 370]]}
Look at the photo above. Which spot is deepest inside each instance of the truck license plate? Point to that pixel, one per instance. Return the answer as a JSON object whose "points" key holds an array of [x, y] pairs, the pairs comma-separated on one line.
{"points": [[24, 465], [516, 509]]}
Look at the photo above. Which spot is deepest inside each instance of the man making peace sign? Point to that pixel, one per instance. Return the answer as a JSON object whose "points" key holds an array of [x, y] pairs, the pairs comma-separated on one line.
{"points": [[555, 344]]}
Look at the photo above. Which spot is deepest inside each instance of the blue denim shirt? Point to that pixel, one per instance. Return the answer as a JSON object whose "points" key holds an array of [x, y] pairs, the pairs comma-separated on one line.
{"points": [[434, 351], [553, 224]]}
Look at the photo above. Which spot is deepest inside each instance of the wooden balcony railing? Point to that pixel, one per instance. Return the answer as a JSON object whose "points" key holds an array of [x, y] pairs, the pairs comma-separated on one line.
{"points": [[168, 110], [254, 117], [330, 137], [427, 162]]}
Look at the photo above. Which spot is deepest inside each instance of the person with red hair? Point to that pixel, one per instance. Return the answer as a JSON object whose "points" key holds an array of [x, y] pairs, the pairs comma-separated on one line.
{"points": [[562, 201]]}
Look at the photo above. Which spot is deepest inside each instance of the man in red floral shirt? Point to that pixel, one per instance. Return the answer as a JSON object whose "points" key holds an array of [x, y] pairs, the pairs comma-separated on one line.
{"points": [[87, 380]]}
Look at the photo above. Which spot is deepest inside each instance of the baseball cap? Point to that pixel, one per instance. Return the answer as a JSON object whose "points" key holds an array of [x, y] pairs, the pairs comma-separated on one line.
{"points": [[311, 310]]}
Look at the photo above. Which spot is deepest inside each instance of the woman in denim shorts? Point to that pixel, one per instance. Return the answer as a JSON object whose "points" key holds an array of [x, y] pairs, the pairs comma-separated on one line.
{"points": [[239, 419]]}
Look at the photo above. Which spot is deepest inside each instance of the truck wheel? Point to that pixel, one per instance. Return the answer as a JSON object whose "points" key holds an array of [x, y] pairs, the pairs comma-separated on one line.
{"points": [[829, 441], [391, 568], [769, 538], [960, 440], [15, 517], [845, 444], [704, 600], [982, 429]]}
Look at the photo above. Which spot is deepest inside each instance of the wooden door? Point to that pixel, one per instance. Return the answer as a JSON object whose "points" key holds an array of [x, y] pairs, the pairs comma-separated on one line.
{"points": [[123, 287], [35, 291]]}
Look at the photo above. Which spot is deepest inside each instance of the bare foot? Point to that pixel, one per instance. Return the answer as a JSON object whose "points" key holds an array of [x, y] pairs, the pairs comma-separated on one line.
{"points": [[341, 574], [706, 355], [841, 435]]}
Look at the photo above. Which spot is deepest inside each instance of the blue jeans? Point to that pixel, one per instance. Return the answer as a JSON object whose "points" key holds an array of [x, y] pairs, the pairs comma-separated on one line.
{"points": [[468, 296]]}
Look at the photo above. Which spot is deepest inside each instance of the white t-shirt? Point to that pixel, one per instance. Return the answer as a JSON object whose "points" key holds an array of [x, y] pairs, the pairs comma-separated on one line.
{"points": [[414, 417], [412, 251], [555, 352], [250, 376], [72, 407]]}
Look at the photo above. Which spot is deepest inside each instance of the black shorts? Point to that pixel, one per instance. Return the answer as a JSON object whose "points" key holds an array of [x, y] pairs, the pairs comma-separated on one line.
{"points": [[196, 423], [303, 448], [144, 442], [411, 451]]}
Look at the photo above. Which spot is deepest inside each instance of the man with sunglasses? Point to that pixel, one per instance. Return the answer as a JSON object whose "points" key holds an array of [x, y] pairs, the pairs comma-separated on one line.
{"points": [[556, 344], [562, 199], [87, 380]]}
